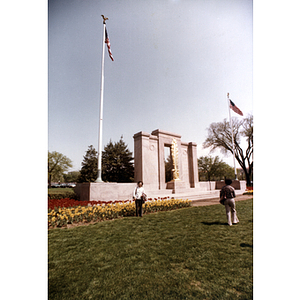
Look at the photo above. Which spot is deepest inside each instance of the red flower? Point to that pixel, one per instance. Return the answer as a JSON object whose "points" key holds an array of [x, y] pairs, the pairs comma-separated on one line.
{"points": [[66, 202]]}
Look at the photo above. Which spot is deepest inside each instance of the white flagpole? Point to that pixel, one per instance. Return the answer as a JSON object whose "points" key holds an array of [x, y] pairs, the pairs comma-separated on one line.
{"points": [[99, 179], [233, 146]]}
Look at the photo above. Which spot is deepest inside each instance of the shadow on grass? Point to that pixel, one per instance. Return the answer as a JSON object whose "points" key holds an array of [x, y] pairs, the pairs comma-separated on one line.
{"points": [[214, 223]]}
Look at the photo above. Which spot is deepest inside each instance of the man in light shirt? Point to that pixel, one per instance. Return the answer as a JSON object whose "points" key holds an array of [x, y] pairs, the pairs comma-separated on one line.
{"points": [[138, 193]]}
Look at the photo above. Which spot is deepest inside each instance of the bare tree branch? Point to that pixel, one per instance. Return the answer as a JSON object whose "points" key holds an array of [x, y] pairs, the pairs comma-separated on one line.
{"points": [[220, 137]]}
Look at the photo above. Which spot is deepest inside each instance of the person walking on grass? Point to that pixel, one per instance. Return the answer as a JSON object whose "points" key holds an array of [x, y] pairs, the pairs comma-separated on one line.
{"points": [[139, 196], [227, 195]]}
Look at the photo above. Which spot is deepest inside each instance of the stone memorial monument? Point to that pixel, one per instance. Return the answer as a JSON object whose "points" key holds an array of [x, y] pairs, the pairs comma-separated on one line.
{"points": [[149, 166]]}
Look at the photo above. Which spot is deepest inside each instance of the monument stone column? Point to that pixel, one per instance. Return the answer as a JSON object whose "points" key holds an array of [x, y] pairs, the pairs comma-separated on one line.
{"points": [[146, 159], [193, 164]]}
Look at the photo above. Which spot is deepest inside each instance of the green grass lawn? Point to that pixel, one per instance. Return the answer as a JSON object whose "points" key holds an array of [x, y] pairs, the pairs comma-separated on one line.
{"points": [[184, 254]]}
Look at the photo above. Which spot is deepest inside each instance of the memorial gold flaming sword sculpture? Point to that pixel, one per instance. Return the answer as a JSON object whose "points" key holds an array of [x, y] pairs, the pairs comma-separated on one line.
{"points": [[174, 153]]}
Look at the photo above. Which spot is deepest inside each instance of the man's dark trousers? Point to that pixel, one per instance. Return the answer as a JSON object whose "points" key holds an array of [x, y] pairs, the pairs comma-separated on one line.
{"points": [[139, 207]]}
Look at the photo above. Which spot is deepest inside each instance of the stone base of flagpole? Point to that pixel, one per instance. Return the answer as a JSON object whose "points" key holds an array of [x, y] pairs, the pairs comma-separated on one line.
{"points": [[99, 179], [104, 191]]}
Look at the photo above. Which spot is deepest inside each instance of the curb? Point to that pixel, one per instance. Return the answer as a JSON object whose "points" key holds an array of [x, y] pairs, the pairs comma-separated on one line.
{"points": [[214, 201]]}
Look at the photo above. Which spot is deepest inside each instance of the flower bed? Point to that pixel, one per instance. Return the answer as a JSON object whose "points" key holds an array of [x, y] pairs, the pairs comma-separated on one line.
{"points": [[249, 190], [67, 202], [65, 211]]}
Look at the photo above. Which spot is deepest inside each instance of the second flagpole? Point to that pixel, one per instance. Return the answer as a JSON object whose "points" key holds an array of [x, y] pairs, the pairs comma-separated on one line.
{"points": [[99, 178], [233, 145]]}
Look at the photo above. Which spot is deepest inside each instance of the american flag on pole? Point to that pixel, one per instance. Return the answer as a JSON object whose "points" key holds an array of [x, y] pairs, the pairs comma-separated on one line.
{"points": [[108, 45], [235, 108]]}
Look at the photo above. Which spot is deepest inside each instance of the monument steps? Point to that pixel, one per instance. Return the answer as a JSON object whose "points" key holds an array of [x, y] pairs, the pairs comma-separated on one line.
{"points": [[190, 195], [212, 195]]}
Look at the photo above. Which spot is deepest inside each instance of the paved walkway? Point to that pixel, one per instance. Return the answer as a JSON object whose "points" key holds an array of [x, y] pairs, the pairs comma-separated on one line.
{"points": [[205, 202]]}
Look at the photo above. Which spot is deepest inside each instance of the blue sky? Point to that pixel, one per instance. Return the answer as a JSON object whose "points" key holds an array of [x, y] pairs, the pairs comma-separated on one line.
{"points": [[174, 63]]}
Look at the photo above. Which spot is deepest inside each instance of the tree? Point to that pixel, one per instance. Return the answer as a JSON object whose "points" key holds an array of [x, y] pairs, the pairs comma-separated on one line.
{"points": [[57, 165], [224, 171], [72, 176], [117, 165], [219, 137], [89, 166], [212, 168]]}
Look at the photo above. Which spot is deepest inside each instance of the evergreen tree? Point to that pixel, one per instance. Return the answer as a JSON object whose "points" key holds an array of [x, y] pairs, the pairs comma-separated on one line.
{"points": [[117, 165], [89, 169]]}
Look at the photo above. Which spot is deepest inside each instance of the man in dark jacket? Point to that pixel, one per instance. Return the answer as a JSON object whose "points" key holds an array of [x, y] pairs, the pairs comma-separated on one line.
{"points": [[227, 195]]}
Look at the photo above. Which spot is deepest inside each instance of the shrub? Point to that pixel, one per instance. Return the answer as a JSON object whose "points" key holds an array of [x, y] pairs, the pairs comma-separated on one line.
{"points": [[63, 195]]}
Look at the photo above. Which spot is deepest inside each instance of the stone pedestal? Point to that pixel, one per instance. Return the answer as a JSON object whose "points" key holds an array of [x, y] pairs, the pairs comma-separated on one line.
{"points": [[176, 186]]}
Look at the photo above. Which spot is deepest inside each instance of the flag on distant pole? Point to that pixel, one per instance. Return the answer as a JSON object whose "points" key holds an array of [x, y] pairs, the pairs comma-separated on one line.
{"points": [[235, 108], [108, 45]]}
